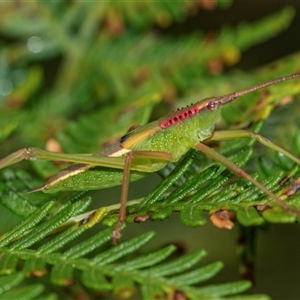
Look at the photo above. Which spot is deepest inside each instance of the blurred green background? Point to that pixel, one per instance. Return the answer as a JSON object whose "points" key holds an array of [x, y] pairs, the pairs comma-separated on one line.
{"points": [[76, 75]]}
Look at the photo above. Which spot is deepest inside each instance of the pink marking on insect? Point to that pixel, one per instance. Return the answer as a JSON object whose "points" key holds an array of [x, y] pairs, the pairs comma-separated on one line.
{"points": [[179, 116], [187, 112]]}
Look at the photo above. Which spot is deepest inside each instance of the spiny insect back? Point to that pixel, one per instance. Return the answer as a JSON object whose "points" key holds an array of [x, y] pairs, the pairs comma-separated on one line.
{"points": [[188, 112]]}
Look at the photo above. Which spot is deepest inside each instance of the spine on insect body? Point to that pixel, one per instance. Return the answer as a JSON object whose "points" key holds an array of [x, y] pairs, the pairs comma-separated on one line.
{"points": [[177, 132], [192, 124]]}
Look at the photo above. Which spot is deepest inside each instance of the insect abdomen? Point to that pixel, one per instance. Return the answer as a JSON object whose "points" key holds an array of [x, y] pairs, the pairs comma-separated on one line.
{"points": [[92, 179]]}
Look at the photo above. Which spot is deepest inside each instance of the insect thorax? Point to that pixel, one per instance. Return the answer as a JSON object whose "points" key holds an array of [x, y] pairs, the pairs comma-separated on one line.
{"points": [[180, 137]]}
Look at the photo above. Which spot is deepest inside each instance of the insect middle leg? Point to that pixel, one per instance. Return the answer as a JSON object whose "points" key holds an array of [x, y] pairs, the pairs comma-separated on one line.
{"points": [[160, 156]]}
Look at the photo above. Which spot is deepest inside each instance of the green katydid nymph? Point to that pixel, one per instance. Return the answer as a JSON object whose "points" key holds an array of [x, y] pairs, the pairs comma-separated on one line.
{"points": [[149, 148]]}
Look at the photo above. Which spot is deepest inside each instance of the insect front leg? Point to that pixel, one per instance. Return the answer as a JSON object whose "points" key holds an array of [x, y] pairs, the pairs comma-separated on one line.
{"points": [[236, 134], [210, 152]]}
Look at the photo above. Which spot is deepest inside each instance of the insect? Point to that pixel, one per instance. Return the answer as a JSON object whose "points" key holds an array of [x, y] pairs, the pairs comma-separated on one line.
{"points": [[149, 148]]}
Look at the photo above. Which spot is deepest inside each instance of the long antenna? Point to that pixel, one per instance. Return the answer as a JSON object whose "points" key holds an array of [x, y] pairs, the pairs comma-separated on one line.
{"points": [[230, 97]]}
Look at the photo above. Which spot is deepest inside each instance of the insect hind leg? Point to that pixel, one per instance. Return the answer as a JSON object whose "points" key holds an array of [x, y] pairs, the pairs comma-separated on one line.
{"points": [[17, 156]]}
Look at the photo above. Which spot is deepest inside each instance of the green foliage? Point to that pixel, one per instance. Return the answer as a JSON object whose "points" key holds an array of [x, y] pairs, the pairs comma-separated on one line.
{"points": [[104, 270], [74, 76]]}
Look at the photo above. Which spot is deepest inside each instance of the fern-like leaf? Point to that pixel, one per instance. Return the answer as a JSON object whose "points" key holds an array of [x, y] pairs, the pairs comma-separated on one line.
{"points": [[104, 270]]}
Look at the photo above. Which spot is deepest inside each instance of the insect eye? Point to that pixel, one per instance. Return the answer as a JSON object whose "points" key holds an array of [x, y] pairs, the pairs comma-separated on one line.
{"points": [[211, 105]]}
